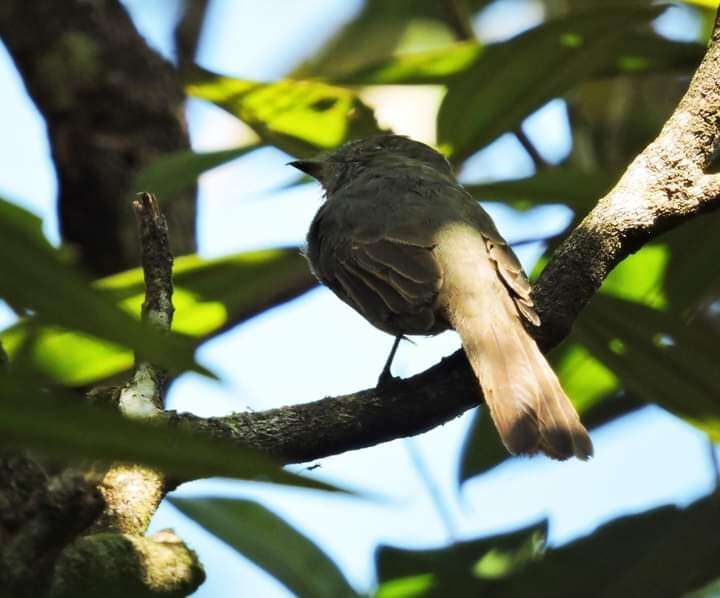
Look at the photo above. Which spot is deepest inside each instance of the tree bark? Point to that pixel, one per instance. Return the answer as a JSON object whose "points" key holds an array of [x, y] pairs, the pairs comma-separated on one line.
{"points": [[111, 105]]}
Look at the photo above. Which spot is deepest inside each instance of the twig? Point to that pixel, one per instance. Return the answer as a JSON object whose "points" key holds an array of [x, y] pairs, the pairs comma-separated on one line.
{"points": [[189, 30], [432, 489], [532, 151], [133, 493], [458, 19], [715, 464]]}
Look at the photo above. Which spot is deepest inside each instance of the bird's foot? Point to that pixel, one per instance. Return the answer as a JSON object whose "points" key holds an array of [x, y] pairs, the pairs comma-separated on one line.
{"points": [[386, 381]]}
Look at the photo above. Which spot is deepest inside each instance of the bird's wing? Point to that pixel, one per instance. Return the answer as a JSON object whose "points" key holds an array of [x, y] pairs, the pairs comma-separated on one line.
{"points": [[508, 267], [512, 274], [394, 285], [390, 277]]}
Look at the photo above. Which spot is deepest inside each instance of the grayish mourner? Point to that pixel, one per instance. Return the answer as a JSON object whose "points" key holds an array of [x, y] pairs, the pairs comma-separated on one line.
{"points": [[400, 241]]}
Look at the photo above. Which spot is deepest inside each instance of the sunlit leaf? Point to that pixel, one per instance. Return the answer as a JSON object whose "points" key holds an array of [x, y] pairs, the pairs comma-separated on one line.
{"points": [[380, 29], [659, 357], [172, 173], [430, 67], [299, 117], [210, 296], [62, 425], [509, 80], [33, 276], [268, 541]]}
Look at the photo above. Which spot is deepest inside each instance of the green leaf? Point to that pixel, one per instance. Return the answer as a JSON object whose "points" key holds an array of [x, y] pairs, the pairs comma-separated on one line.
{"points": [[634, 54], [62, 425], [169, 174], [210, 296], [658, 357], [650, 53], [579, 190], [662, 552], [33, 276], [418, 68], [512, 79], [263, 537], [462, 569], [300, 117], [381, 28]]}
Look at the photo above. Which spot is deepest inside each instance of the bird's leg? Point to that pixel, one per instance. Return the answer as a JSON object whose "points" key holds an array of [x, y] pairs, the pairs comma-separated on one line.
{"points": [[386, 378]]}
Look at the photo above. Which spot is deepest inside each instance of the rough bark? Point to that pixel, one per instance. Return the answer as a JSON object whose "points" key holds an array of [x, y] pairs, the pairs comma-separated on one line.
{"points": [[111, 105]]}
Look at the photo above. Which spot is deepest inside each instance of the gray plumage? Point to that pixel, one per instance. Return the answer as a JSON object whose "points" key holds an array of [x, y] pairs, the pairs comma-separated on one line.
{"points": [[400, 241]]}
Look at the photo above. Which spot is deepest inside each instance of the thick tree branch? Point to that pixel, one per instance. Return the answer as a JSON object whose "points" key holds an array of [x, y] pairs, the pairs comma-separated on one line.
{"points": [[111, 105], [664, 186]]}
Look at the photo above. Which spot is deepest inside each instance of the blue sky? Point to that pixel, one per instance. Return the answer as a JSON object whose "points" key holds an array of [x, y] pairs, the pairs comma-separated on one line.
{"points": [[316, 346]]}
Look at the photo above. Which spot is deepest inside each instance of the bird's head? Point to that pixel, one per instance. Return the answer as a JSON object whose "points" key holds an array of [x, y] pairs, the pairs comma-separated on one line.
{"points": [[334, 169]]}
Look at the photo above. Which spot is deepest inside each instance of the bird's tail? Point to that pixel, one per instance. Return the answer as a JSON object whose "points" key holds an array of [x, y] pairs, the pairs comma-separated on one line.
{"points": [[529, 407]]}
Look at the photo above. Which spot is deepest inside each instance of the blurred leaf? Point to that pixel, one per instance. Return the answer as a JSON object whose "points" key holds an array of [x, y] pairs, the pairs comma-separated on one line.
{"points": [[640, 53], [704, 3], [300, 117], [62, 425], [381, 28], [172, 173], [32, 276], [461, 569], [662, 552], [633, 54], [210, 296], [579, 190], [419, 68], [508, 82], [657, 356], [269, 542]]}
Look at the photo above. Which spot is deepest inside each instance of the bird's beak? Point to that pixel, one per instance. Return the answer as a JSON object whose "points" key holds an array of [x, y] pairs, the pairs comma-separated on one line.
{"points": [[314, 168]]}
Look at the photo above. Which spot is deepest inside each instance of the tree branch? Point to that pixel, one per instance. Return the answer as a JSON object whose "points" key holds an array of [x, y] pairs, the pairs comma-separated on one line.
{"points": [[109, 99], [663, 187], [133, 493]]}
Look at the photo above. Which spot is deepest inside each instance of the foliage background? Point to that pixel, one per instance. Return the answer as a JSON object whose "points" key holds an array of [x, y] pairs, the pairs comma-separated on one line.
{"points": [[315, 346]]}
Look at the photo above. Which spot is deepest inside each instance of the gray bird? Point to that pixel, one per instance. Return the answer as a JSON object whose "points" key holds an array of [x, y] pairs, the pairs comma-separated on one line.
{"points": [[400, 241]]}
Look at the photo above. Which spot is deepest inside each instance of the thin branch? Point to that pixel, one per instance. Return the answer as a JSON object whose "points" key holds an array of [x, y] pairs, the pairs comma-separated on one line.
{"points": [[715, 464], [530, 149], [458, 19], [459, 22], [433, 491], [133, 493], [662, 188], [189, 30]]}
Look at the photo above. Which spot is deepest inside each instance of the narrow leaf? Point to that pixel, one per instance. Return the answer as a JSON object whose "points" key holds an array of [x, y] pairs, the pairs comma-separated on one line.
{"points": [[579, 190], [62, 425], [268, 541], [172, 173], [33, 276], [512, 79], [210, 296], [300, 117]]}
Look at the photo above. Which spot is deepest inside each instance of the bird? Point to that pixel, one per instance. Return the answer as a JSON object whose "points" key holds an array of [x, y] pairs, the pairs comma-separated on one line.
{"points": [[399, 240]]}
